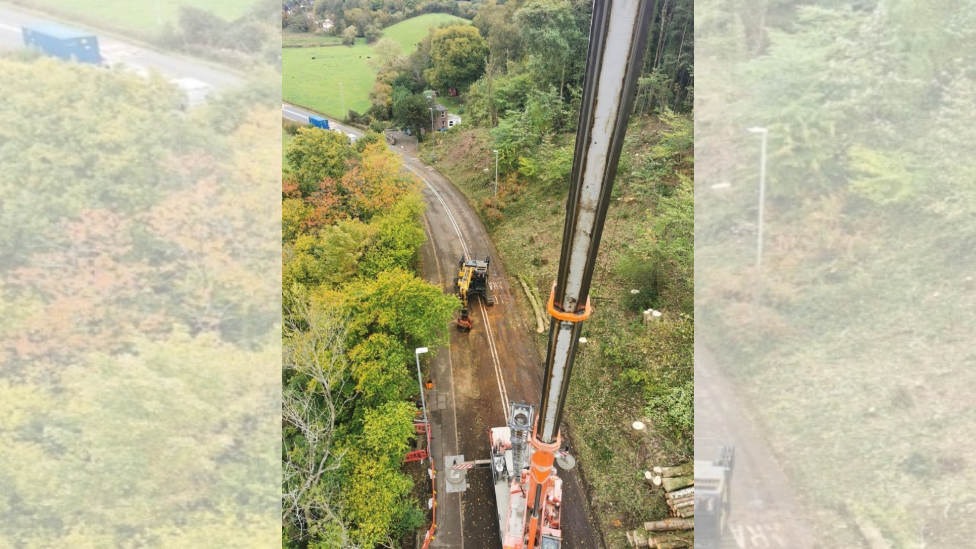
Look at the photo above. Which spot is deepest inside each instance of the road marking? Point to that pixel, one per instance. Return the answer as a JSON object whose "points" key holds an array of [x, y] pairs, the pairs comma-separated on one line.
{"points": [[9, 28], [496, 363], [495, 360]]}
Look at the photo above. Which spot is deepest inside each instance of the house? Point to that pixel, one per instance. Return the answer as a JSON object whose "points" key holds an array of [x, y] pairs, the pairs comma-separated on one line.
{"points": [[440, 117], [453, 120], [327, 24]]}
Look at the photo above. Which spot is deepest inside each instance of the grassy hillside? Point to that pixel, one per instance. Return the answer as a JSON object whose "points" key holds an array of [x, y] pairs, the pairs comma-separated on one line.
{"points": [[410, 32], [141, 18], [609, 388], [311, 75]]}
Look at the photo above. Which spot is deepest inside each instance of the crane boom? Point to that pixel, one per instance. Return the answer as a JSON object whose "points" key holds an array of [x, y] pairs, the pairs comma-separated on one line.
{"points": [[529, 501], [618, 37]]}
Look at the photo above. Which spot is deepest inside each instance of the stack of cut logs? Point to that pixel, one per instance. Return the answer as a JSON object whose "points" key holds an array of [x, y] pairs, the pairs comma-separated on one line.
{"points": [[679, 487], [664, 534]]}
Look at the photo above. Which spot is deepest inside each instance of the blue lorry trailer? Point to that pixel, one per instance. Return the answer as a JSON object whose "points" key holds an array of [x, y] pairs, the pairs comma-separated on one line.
{"points": [[63, 42], [318, 122]]}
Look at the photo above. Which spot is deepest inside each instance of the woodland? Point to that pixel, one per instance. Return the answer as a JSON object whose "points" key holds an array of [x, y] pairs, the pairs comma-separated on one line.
{"points": [[354, 311], [855, 334], [139, 292]]}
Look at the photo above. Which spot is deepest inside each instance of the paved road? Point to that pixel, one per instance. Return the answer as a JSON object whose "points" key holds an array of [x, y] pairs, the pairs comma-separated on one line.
{"points": [[115, 50], [481, 372], [764, 514], [492, 365]]}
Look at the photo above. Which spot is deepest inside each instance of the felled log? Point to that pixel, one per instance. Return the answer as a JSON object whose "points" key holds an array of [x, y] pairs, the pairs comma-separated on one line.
{"points": [[649, 478], [871, 533], [677, 471], [674, 502], [536, 308], [672, 544], [667, 525], [677, 483], [686, 512], [678, 494], [637, 538], [683, 504]]}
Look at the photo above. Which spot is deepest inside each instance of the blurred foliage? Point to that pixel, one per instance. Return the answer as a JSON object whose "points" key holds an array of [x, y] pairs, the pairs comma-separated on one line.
{"points": [[140, 309]]}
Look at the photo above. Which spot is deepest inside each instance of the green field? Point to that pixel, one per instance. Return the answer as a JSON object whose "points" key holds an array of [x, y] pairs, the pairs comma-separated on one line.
{"points": [[308, 39], [311, 77], [140, 17], [410, 32], [314, 83]]}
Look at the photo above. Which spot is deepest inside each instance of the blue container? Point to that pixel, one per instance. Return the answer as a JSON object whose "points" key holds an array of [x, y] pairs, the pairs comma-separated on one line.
{"points": [[318, 122], [63, 42]]}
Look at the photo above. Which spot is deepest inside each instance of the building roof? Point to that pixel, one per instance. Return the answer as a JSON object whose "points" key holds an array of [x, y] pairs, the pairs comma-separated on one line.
{"points": [[438, 107], [59, 31]]}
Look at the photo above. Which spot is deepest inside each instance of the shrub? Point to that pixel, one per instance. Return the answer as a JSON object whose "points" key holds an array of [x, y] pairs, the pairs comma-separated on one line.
{"points": [[290, 126]]}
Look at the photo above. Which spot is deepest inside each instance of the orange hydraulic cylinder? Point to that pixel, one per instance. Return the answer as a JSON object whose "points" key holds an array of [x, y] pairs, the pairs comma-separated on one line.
{"points": [[540, 478]]}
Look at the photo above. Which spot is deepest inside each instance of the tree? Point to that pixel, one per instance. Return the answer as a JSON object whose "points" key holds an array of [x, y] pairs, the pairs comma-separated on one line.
{"points": [[457, 57], [411, 112], [349, 35], [316, 154], [313, 399], [553, 38], [399, 236], [401, 305]]}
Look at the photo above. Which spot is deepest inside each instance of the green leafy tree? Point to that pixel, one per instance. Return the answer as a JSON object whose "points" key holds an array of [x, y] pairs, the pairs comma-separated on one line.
{"points": [[457, 57], [411, 113], [398, 238], [401, 305], [553, 38], [316, 154]]}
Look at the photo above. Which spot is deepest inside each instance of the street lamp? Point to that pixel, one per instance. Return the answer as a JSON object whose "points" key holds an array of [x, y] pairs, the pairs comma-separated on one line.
{"points": [[496, 173], [423, 402], [763, 133], [342, 96], [431, 109]]}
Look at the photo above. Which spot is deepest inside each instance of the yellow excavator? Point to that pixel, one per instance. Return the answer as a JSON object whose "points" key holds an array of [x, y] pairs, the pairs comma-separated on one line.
{"points": [[472, 280]]}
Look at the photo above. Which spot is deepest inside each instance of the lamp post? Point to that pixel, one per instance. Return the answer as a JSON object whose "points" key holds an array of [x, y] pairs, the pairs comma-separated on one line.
{"points": [[342, 96], [431, 109], [496, 173], [423, 402], [763, 133]]}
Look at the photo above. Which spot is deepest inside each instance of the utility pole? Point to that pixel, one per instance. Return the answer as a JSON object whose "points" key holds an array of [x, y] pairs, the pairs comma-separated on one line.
{"points": [[423, 401], [763, 133], [496, 173]]}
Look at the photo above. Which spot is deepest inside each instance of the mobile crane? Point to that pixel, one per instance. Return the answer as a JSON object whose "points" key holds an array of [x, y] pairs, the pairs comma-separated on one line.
{"points": [[528, 491], [472, 280], [713, 497]]}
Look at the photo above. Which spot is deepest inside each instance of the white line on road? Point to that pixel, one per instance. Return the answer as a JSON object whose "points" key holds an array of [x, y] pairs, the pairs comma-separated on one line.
{"points": [[495, 360], [496, 363]]}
